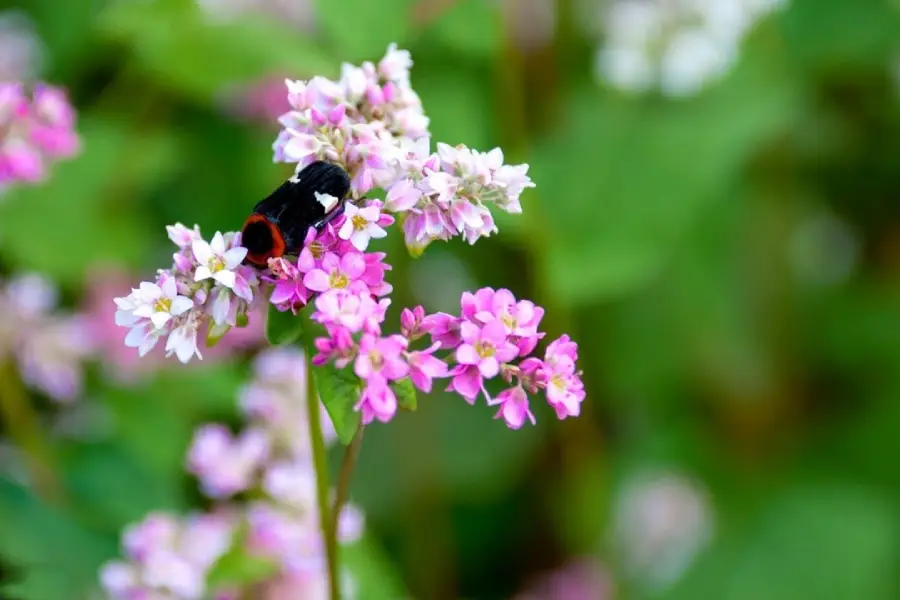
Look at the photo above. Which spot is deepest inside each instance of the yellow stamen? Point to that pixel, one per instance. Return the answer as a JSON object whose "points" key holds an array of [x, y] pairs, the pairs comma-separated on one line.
{"points": [[484, 349], [338, 280], [359, 223]]}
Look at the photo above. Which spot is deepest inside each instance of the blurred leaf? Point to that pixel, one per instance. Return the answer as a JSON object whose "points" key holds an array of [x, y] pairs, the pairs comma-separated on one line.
{"points": [[339, 390], [373, 575], [361, 30], [283, 327], [239, 568], [444, 90], [53, 553], [187, 48], [86, 211], [817, 543], [113, 488], [406, 394], [623, 180], [839, 33], [469, 27], [66, 28]]}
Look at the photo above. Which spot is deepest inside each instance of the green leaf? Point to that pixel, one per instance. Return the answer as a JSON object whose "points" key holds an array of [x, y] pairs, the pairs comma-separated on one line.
{"points": [[361, 29], [822, 542], [51, 555], [472, 27], [339, 390], [624, 180], [283, 327], [86, 212], [183, 47], [239, 568], [406, 394], [374, 576]]}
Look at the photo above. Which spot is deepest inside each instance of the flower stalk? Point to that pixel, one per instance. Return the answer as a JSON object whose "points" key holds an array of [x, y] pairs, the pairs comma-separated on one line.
{"points": [[327, 524]]}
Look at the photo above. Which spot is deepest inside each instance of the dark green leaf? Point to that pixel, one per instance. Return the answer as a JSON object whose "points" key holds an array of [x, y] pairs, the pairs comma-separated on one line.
{"points": [[373, 574], [283, 327], [339, 390], [406, 394]]}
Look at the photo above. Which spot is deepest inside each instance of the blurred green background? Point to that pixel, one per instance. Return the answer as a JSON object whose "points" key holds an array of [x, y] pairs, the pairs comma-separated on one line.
{"points": [[729, 263]]}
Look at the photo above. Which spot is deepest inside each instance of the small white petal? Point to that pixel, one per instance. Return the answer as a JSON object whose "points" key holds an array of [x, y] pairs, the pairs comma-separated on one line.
{"points": [[125, 318], [376, 231], [135, 336], [202, 273], [202, 252], [370, 213], [168, 287], [234, 257], [360, 240], [218, 244], [346, 230], [181, 304], [159, 319], [226, 278], [143, 311]]}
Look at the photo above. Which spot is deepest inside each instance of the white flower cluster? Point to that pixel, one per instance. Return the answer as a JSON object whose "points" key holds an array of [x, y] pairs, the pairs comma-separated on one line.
{"points": [[678, 46]]}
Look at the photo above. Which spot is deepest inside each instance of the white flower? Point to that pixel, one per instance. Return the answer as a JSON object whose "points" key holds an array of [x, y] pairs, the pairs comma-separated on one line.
{"points": [[183, 237], [161, 302], [182, 341], [361, 225], [215, 262], [395, 65], [143, 336]]}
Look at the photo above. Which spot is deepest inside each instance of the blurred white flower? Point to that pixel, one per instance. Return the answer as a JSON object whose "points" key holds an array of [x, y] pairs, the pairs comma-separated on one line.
{"points": [[678, 46], [661, 521], [298, 13], [21, 51]]}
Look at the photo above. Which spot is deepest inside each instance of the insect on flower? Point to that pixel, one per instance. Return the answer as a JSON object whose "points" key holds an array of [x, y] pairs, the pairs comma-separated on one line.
{"points": [[279, 223]]}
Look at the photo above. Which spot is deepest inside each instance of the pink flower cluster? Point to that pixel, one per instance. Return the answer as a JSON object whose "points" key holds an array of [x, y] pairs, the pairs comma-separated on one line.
{"points": [[271, 462], [49, 347], [35, 129], [494, 336], [372, 123], [168, 556], [206, 286], [355, 122]]}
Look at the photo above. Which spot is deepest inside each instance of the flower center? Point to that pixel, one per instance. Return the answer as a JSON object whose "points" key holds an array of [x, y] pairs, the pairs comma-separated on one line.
{"points": [[557, 381], [484, 349], [216, 265], [163, 305], [359, 223], [376, 358], [509, 320], [338, 280], [317, 249]]}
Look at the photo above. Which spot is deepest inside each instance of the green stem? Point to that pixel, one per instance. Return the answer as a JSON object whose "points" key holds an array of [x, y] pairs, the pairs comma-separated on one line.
{"points": [[343, 485], [24, 429], [317, 441]]}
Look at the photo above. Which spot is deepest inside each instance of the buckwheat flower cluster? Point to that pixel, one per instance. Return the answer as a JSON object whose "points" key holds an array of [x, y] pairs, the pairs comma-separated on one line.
{"points": [[207, 286], [356, 122], [263, 480], [449, 193], [36, 129], [49, 347], [678, 46], [495, 335]]}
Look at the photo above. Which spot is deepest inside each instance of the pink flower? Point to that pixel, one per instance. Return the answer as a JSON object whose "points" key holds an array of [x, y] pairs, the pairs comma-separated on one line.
{"points": [[377, 402], [413, 324], [381, 358], [288, 292], [338, 348], [226, 465], [374, 273], [344, 309], [513, 407], [564, 388], [444, 329], [336, 273], [485, 347], [423, 367]]}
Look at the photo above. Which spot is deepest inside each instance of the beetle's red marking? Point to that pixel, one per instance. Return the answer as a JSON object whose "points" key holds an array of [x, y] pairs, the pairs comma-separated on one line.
{"points": [[277, 248]]}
